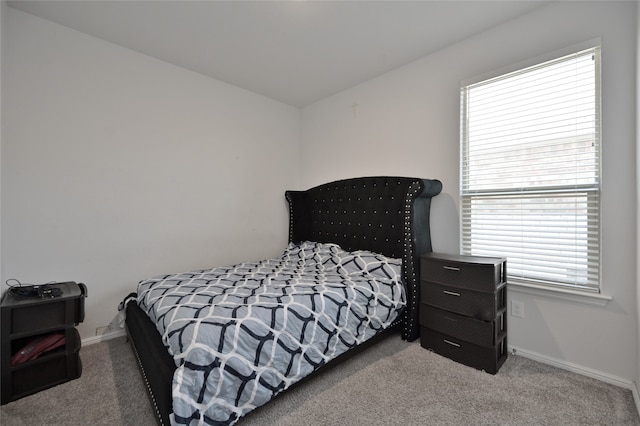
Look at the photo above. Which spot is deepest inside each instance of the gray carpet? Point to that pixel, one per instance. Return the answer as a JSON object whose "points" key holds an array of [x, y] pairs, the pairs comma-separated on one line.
{"points": [[391, 383]]}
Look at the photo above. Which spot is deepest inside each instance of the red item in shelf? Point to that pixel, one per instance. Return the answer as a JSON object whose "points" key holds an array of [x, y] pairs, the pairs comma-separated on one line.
{"points": [[37, 347]]}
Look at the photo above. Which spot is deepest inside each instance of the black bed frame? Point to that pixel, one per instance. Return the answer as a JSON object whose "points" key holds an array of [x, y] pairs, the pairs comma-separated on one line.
{"points": [[387, 215]]}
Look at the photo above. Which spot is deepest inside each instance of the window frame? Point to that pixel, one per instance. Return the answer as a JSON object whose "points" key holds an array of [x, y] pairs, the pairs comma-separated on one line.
{"points": [[563, 290]]}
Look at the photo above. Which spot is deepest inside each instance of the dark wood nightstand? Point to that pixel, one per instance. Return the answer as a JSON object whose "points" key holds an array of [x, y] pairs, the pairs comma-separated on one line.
{"points": [[55, 311], [463, 309]]}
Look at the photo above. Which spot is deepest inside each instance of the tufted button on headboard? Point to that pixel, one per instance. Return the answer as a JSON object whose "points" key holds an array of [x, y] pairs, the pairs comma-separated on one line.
{"points": [[387, 215]]}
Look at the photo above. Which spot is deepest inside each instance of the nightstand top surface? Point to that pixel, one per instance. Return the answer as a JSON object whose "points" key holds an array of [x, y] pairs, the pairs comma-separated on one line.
{"points": [[70, 289], [464, 258]]}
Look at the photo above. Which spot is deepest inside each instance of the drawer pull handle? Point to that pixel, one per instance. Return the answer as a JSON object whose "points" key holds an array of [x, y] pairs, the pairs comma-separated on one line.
{"points": [[451, 293], [451, 268], [452, 343]]}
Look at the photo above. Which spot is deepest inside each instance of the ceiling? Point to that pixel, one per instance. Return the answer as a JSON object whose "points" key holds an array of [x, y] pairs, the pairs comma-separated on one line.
{"points": [[296, 52]]}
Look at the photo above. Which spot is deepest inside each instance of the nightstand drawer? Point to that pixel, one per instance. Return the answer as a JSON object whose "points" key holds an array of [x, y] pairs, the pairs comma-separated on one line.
{"points": [[483, 358], [482, 333], [474, 304], [31, 315], [477, 273], [51, 370]]}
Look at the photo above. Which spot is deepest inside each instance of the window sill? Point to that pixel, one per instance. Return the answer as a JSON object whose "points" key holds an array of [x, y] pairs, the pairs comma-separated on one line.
{"points": [[595, 299]]}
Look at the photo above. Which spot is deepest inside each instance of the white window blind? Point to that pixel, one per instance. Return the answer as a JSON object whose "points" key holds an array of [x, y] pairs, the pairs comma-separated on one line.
{"points": [[530, 171]]}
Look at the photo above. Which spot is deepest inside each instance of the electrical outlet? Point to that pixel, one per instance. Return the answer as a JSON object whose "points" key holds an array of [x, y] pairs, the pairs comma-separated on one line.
{"points": [[517, 309], [102, 330]]}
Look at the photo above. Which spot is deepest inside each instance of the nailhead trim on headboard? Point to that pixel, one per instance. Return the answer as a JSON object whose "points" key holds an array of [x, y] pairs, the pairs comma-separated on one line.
{"points": [[410, 271], [371, 213]]}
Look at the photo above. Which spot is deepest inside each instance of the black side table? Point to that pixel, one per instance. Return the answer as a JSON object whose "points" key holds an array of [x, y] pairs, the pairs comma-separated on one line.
{"points": [[55, 311]]}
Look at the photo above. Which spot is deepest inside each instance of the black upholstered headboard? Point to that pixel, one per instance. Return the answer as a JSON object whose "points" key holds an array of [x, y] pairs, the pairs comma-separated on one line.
{"points": [[387, 215]]}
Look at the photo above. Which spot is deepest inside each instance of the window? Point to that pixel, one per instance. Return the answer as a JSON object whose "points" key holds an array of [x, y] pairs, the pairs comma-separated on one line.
{"points": [[530, 171]]}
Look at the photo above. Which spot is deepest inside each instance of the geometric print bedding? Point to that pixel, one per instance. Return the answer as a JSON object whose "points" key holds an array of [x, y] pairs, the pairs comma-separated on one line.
{"points": [[242, 334]]}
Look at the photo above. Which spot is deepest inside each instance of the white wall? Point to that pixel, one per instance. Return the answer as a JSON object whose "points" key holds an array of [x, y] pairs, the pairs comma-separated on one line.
{"points": [[116, 166], [407, 123], [3, 14], [637, 379]]}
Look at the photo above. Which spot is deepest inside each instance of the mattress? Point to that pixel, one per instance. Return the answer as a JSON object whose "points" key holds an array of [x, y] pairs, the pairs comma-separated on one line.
{"points": [[240, 335]]}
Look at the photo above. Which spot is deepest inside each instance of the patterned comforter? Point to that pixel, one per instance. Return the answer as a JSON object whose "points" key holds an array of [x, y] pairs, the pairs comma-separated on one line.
{"points": [[241, 334]]}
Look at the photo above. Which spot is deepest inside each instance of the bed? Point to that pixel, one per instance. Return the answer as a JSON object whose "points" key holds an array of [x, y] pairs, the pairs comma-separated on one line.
{"points": [[213, 345]]}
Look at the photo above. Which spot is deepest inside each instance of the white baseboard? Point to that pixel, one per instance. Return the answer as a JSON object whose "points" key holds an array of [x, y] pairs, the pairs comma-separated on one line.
{"points": [[594, 374], [104, 337], [636, 397], [598, 375]]}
